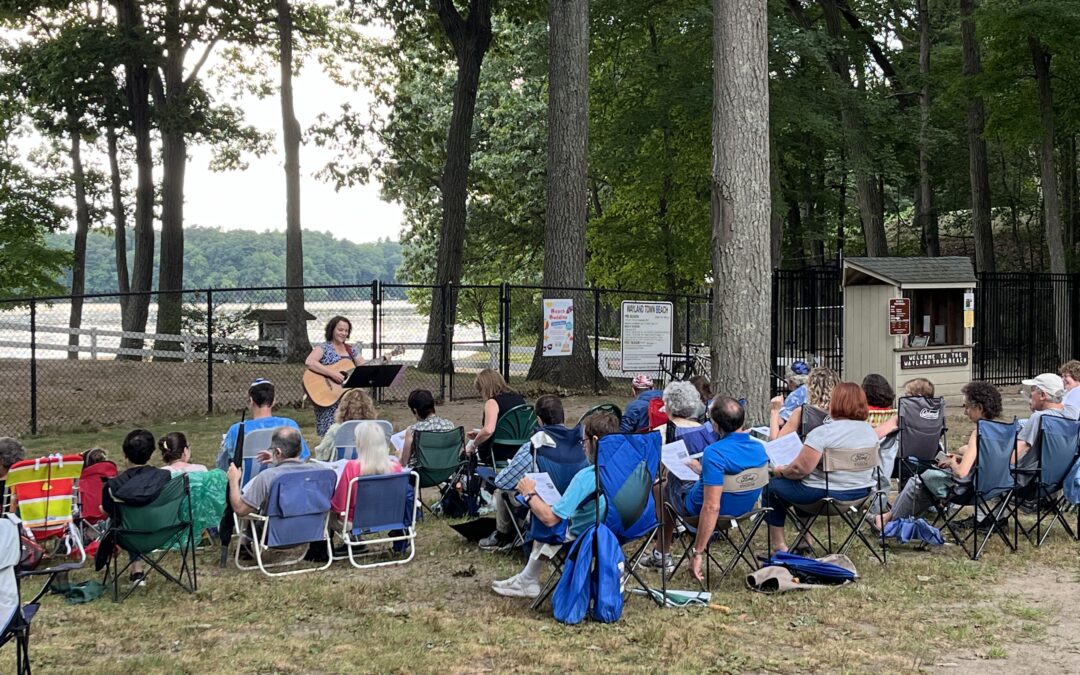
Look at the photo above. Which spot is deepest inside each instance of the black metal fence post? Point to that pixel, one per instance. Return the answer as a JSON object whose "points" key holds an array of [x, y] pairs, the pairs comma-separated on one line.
{"points": [[33, 368], [376, 302], [596, 341], [1030, 327], [774, 386], [504, 330], [209, 351], [1074, 312], [447, 340]]}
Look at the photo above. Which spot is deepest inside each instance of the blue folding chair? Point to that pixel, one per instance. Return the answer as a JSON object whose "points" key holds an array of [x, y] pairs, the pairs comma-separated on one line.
{"points": [[992, 478], [382, 505], [1040, 475], [296, 512], [696, 439]]}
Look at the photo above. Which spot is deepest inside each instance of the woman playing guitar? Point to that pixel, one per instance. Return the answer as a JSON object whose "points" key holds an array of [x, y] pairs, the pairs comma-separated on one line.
{"points": [[335, 349]]}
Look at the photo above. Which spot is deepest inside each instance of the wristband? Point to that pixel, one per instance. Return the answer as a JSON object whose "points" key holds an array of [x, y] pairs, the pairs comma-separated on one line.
{"points": [[529, 497]]}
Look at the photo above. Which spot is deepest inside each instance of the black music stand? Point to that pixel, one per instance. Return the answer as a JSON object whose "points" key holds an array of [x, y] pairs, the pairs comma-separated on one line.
{"points": [[373, 376]]}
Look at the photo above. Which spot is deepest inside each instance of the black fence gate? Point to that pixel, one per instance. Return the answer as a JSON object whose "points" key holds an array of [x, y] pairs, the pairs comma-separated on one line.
{"points": [[807, 320]]}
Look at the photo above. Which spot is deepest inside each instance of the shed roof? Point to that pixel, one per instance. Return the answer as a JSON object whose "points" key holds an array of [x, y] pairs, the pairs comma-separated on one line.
{"points": [[274, 315], [944, 272]]}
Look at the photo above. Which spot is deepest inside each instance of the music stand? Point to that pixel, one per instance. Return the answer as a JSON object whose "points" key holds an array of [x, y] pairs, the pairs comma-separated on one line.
{"points": [[375, 376]]}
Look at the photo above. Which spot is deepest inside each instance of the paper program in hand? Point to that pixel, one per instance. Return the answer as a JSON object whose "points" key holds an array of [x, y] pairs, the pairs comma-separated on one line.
{"points": [[674, 457], [545, 488], [784, 450]]}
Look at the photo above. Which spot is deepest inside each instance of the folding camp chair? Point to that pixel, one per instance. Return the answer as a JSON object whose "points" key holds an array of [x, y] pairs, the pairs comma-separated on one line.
{"points": [[1040, 474], [345, 437], [152, 531], [15, 616], [743, 528], [920, 434], [513, 429], [254, 443], [811, 418], [381, 505], [92, 518], [297, 512], [44, 490], [626, 468], [696, 439], [436, 456], [851, 512], [561, 463], [600, 407], [991, 478]]}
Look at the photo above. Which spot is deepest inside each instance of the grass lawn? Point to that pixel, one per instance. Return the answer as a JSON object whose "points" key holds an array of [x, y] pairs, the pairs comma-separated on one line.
{"points": [[925, 611]]}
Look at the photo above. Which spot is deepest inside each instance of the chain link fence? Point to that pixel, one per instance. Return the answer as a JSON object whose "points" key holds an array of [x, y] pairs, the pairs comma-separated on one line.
{"points": [[113, 370]]}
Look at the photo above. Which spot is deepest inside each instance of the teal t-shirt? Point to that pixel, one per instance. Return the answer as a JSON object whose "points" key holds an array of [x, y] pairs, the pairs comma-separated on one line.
{"points": [[575, 504]]}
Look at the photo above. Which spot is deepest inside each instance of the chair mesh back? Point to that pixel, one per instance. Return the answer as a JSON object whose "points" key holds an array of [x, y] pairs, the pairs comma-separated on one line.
{"points": [[513, 429], [747, 481], [811, 419], [996, 442], [383, 503], [437, 455], [626, 468], [851, 459], [922, 424], [297, 507], [1056, 445]]}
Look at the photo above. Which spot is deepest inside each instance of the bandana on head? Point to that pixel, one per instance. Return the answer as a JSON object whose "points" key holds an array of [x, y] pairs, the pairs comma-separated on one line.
{"points": [[642, 382]]}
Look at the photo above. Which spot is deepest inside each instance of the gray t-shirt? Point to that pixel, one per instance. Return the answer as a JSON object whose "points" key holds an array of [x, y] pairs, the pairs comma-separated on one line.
{"points": [[257, 490], [1031, 428], [851, 434]]}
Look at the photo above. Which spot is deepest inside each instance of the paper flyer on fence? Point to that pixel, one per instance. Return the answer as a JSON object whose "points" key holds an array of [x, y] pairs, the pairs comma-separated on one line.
{"points": [[674, 457]]}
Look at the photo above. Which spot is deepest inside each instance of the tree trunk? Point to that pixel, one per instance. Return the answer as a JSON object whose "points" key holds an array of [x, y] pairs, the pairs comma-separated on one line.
{"points": [[470, 38], [82, 226], [119, 218], [978, 165], [927, 216], [137, 90], [296, 335], [740, 203], [1051, 206], [867, 193], [566, 202], [841, 208], [171, 99]]}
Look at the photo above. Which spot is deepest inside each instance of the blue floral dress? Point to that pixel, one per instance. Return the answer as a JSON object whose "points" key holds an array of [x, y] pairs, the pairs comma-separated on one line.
{"points": [[324, 417]]}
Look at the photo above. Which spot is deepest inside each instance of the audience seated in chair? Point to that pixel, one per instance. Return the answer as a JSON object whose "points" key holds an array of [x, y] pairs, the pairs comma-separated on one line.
{"points": [[422, 405], [919, 386], [803, 481], [1045, 394], [261, 407], [704, 499], [355, 404], [550, 417], [981, 402], [177, 455], [498, 398], [139, 485], [575, 507], [285, 455], [373, 459], [819, 386], [635, 416], [796, 376], [1070, 377], [704, 388], [683, 406]]}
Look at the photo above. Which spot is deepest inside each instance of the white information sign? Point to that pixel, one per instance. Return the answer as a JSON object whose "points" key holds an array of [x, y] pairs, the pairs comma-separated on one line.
{"points": [[558, 327], [646, 332]]}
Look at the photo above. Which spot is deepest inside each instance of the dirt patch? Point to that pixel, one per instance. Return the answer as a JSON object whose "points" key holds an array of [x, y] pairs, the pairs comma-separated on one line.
{"points": [[1050, 596]]}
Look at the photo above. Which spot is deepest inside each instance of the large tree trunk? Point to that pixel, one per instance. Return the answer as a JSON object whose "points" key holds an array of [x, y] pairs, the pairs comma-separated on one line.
{"points": [[867, 191], [978, 165], [1069, 186], [740, 203], [1051, 206], [566, 203], [82, 226], [137, 90], [470, 38], [927, 216], [171, 99], [119, 217], [296, 335]]}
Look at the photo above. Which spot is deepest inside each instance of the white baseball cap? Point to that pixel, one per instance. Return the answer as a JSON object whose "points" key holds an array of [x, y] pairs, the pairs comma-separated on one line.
{"points": [[1050, 383]]}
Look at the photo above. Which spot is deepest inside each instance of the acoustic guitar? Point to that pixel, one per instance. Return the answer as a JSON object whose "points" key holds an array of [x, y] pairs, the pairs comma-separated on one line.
{"points": [[324, 392]]}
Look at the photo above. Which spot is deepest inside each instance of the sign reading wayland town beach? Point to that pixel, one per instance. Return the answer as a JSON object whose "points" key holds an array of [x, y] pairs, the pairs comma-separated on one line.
{"points": [[646, 332]]}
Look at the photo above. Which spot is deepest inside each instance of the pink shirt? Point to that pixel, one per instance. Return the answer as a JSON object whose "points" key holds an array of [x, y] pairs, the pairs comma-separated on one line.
{"points": [[352, 470]]}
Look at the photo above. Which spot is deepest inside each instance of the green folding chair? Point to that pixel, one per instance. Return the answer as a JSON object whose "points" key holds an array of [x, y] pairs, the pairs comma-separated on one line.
{"points": [[512, 430], [436, 456], [601, 407], [153, 531]]}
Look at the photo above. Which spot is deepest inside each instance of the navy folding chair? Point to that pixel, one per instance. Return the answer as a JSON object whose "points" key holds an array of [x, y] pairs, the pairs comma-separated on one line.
{"points": [[696, 439], [381, 510], [1040, 474], [296, 512], [992, 478], [920, 434]]}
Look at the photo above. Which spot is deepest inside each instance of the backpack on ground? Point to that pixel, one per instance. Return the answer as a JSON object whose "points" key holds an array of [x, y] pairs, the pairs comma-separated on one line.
{"points": [[591, 583]]}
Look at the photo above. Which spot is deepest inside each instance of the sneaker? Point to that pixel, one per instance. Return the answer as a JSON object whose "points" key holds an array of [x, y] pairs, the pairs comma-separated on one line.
{"points": [[657, 561], [497, 541], [518, 588], [504, 583], [137, 578]]}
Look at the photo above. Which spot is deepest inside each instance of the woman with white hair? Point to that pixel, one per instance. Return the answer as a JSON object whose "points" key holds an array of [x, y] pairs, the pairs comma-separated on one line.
{"points": [[373, 459], [682, 403]]}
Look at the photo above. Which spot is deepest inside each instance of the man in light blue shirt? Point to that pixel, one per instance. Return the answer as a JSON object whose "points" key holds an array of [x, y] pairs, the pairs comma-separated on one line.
{"points": [[261, 407]]}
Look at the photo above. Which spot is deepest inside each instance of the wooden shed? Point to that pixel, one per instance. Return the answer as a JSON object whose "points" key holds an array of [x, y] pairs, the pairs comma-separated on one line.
{"points": [[909, 317]]}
